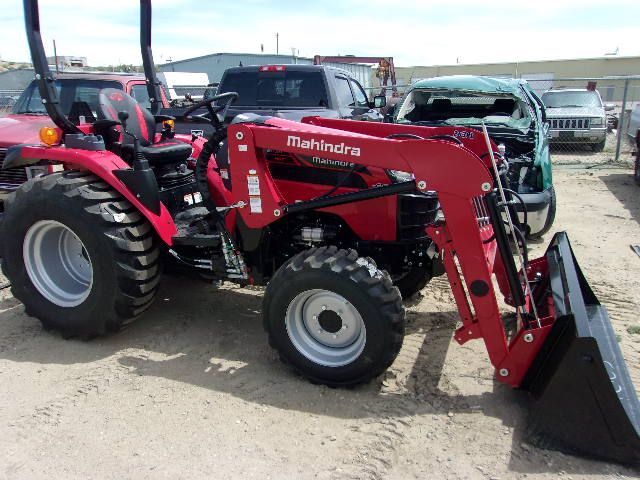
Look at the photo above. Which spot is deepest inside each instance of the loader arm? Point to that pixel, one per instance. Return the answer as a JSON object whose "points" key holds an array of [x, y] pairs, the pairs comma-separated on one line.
{"points": [[466, 237]]}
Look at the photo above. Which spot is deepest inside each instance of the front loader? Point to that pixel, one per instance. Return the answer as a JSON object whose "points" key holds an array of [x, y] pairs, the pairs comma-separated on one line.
{"points": [[84, 250]]}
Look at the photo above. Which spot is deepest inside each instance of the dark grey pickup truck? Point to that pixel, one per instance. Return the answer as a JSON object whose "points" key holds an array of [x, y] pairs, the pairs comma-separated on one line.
{"points": [[294, 92]]}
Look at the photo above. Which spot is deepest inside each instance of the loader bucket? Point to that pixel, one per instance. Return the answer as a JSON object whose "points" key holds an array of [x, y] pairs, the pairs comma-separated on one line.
{"points": [[583, 399]]}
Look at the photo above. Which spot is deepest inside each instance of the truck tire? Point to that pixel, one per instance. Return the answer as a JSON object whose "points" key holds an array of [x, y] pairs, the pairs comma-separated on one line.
{"points": [[636, 169], [413, 281], [79, 256], [335, 317], [551, 216], [598, 147]]}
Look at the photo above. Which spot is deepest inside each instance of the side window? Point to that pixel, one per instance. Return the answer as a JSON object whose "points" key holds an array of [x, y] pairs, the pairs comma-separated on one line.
{"points": [[358, 92], [343, 92], [140, 93]]}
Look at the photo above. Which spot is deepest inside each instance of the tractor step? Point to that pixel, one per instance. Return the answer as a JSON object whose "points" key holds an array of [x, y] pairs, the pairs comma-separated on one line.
{"points": [[186, 239], [194, 229]]}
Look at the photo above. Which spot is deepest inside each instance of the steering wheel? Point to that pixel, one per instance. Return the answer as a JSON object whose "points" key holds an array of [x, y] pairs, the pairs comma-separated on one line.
{"points": [[212, 118]]}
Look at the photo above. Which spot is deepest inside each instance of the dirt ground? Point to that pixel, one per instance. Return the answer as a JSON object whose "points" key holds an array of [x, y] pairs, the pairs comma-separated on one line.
{"points": [[192, 389]]}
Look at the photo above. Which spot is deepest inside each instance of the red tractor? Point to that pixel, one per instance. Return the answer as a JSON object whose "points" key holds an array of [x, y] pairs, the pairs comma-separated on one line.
{"points": [[84, 249]]}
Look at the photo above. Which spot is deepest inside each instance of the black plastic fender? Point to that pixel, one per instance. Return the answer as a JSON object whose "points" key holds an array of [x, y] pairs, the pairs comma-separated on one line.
{"points": [[14, 158]]}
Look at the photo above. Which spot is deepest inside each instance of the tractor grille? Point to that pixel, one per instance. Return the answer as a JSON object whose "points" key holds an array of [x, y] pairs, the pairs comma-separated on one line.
{"points": [[416, 211], [570, 123], [11, 178]]}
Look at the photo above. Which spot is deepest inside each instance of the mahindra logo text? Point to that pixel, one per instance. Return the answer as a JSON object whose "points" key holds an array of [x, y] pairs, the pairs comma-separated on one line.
{"points": [[322, 146]]}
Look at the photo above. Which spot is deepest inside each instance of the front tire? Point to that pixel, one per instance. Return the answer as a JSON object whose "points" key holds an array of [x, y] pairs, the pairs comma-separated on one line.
{"points": [[414, 280], [636, 170], [79, 256], [599, 147], [334, 317]]}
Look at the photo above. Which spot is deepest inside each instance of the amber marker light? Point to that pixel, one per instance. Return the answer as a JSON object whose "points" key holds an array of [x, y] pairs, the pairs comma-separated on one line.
{"points": [[50, 136]]}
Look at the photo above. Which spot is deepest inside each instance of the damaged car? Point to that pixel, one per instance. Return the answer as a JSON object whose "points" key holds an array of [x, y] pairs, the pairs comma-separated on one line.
{"points": [[516, 122]]}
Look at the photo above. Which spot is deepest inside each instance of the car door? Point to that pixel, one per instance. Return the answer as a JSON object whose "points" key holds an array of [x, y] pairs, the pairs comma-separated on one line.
{"points": [[344, 96], [363, 110], [543, 154]]}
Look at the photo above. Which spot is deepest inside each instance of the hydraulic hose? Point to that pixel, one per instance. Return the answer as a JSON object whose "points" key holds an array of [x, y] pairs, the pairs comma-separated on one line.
{"points": [[524, 205], [210, 148]]}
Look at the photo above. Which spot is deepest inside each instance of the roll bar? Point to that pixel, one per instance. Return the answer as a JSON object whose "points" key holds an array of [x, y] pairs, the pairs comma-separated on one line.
{"points": [[153, 84], [46, 80], [43, 75]]}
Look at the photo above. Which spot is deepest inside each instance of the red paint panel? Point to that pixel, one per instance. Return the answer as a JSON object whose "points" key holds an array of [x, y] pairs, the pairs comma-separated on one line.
{"points": [[102, 163]]}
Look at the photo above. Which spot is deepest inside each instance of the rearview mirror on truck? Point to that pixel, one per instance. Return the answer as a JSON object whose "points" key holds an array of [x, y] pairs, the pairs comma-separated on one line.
{"points": [[379, 101]]}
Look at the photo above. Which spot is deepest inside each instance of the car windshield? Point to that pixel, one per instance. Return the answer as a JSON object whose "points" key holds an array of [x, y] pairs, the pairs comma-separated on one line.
{"points": [[276, 89], [562, 99], [451, 107], [77, 97]]}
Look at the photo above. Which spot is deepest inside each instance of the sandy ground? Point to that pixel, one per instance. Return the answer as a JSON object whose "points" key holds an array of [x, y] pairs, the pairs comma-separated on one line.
{"points": [[192, 389]]}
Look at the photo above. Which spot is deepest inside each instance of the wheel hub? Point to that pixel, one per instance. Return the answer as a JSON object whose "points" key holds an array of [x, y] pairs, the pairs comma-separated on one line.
{"points": [[57, 263], [325, 327]]}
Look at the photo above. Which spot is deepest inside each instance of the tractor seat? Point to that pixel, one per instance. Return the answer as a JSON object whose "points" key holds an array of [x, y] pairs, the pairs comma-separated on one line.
{"points": [[142, 124]]}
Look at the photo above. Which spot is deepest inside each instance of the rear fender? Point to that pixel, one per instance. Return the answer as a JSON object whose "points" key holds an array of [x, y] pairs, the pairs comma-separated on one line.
{"points": [[15, 159], [101, 163]]}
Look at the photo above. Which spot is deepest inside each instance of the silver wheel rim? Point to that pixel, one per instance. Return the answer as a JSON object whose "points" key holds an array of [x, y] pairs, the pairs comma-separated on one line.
{"points": [[325, 328], [57, 263]]}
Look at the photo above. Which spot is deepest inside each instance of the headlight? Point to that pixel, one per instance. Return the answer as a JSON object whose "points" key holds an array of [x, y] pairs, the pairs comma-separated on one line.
{"points": [[597, 122], [399, 176]]}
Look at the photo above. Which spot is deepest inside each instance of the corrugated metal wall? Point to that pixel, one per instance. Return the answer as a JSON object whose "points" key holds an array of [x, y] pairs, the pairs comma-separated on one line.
{"points": [[214, 65]]}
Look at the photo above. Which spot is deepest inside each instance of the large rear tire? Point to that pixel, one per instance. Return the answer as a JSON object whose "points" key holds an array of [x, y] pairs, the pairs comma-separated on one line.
{"points": [[79, 256], [335, 317]]}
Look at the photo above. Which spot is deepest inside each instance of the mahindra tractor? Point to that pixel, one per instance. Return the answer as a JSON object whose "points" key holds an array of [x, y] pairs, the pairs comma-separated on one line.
{"points": [[84, 247]]}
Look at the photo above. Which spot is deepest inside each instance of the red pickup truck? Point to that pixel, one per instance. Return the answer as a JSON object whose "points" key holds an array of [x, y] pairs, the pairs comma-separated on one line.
{"points": [[78, 93]]}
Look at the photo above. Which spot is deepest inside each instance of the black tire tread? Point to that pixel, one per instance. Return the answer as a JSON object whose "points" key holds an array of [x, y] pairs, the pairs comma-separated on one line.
{"points": [[134, 243], [379, 288]]}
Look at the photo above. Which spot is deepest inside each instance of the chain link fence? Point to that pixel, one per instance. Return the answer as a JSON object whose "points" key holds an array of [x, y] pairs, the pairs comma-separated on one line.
{"points": [[8, 98]]}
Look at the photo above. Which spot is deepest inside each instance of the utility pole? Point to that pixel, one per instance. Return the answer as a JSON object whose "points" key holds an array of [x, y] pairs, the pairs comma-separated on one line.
{"points": [[55, 56], [277, 43]]}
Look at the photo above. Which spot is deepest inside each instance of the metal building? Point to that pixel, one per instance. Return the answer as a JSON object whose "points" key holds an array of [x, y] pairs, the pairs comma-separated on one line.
{"points": [[542, 74], [215, 64]]}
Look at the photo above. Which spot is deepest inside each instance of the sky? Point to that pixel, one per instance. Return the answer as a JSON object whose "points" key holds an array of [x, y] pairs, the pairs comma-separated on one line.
{"points": [[413, 32]]}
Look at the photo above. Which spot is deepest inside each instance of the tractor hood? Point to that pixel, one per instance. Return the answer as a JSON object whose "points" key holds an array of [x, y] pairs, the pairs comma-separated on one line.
{"points": [[17, 129]]}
